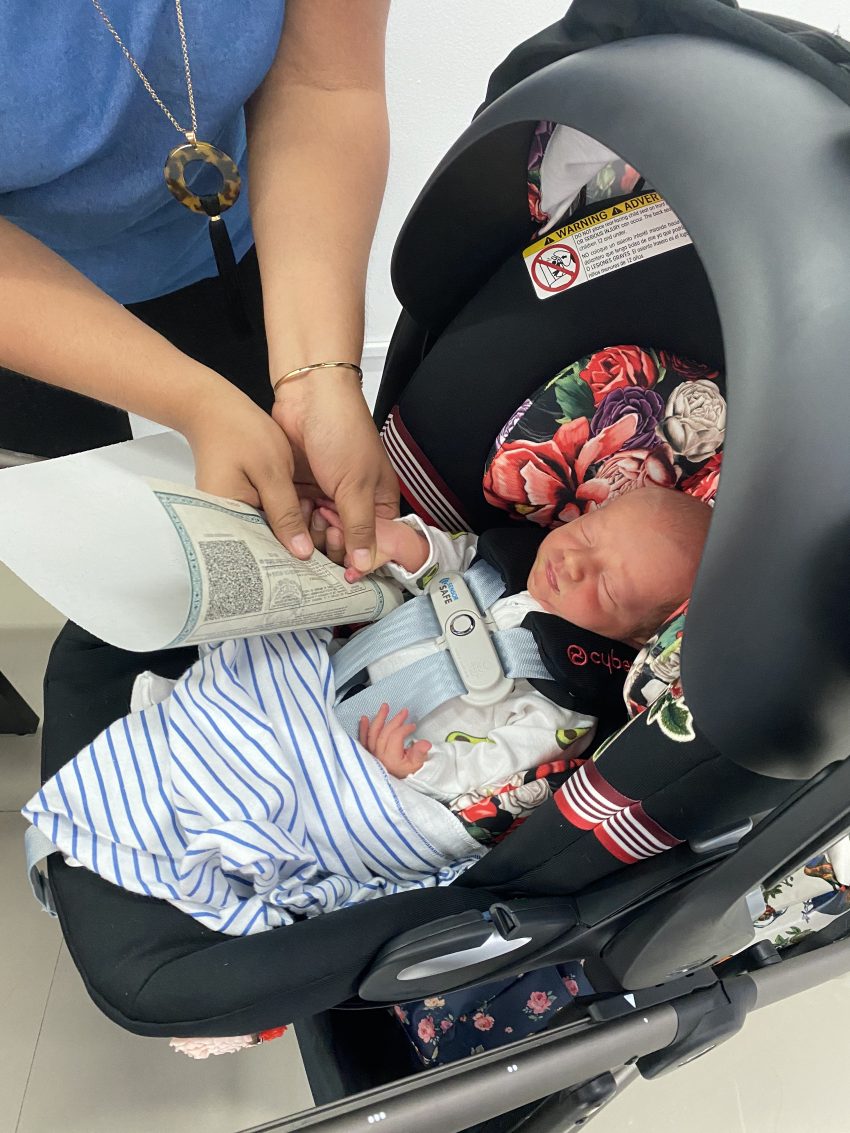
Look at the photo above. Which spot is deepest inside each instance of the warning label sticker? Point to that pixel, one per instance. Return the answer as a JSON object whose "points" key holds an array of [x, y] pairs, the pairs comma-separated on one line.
{"points": [[612, 238]]}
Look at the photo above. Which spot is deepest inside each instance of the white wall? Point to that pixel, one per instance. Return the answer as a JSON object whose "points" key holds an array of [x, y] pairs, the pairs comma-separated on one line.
{"points": [[439, 56]]}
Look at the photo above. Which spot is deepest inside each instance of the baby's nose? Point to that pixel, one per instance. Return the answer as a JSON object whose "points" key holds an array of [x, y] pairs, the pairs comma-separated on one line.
{"points": [[575, 567]]}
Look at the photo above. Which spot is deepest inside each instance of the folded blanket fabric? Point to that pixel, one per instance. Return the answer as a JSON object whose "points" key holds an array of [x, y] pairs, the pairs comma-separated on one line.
{"points": [[243, 802]]}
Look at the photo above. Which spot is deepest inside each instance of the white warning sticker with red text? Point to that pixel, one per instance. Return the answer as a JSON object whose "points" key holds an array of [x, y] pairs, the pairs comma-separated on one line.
{"points": [[612, 238]]}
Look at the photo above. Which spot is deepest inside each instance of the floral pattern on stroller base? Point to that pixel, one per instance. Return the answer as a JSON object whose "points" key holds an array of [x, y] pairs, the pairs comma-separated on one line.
{"points": [[446, 1028]]}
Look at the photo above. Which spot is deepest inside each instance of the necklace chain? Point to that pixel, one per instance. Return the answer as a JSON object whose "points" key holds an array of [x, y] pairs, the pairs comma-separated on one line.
{"points": [[191, 135]]}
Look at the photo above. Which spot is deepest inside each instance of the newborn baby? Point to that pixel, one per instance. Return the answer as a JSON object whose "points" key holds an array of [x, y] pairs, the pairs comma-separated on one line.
{"points": [[618, 571]]}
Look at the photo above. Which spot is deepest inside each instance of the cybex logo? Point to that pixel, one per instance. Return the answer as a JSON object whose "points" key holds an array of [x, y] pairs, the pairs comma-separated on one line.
{"points": [[579, 656]]}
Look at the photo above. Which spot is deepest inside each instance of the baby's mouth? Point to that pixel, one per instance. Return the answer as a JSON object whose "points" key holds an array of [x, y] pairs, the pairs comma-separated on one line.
{"points": [[551, 579]]}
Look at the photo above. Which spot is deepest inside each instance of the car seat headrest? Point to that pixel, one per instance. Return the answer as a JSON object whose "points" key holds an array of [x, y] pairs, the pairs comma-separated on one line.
{"points": [[614, 420]]}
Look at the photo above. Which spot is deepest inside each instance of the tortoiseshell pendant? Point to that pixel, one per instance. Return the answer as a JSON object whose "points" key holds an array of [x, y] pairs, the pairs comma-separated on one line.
{"points": [[210, 204]]}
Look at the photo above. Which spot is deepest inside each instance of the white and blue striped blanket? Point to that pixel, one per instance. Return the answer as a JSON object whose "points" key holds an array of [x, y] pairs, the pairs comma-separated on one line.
{"points": [[242, 801]]}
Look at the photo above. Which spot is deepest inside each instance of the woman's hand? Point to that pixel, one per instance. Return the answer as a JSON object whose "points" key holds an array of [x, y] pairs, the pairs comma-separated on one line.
{"points": [[385, 739], [396, 543], [338, 454], [242, 454]]}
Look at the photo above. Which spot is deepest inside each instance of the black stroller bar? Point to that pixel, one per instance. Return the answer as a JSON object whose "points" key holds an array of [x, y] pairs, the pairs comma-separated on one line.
{"points": [[778, 545], [453, 1097]]}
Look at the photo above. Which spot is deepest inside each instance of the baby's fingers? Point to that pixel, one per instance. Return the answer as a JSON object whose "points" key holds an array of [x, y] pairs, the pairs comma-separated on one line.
{"points": [[335, 544], [398, 729], [398, 720], [330, 516], [415, 756], [376, 728], [418, 749]]}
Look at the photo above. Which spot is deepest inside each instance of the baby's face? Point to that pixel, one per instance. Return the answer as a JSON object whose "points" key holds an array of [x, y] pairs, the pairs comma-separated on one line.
{"points": [[610, 570]]}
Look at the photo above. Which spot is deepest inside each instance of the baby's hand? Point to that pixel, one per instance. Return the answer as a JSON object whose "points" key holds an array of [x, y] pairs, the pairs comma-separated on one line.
{"points": [[385, 740], [396, 542]]}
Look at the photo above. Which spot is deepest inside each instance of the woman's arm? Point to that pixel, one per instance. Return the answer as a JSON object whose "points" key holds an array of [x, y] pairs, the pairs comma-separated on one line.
{"points": [[60, 328], [318, 151], [57, 326]]}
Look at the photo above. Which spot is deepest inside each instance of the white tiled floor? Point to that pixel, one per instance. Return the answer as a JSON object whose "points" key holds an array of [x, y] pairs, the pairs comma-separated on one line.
{"points": [[64, 1068]]}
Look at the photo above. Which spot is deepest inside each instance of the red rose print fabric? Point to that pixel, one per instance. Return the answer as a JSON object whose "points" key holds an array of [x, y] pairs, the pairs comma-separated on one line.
{"points": [[493, 813], [618, 419]]}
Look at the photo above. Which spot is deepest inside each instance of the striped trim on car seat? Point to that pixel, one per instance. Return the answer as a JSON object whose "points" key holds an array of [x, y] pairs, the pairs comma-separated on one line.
{"points": [[421, 484], [588, 801], [587, 798]]}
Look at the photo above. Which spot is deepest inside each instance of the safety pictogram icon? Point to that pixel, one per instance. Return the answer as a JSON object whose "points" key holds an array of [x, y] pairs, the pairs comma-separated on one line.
{"points": [[555, 268]]}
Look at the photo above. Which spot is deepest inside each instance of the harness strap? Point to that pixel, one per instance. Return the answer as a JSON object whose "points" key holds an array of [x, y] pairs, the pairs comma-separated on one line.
{"points": [[416, 621], [429, 682]]}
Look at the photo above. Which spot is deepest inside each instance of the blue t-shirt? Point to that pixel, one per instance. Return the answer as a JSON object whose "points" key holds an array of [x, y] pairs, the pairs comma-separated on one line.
{"points": [[82, 143]]}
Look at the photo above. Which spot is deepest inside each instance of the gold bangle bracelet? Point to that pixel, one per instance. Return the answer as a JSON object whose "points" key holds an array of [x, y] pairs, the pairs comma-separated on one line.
{"points": [[318, 366]]}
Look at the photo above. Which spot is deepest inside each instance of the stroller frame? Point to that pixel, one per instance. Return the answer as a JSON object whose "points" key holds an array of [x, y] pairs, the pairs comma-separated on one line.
{"points": [[576, 1069]]}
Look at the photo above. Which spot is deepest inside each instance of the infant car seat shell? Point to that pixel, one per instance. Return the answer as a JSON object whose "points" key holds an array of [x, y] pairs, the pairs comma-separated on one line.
{"points": [[155, 971]]}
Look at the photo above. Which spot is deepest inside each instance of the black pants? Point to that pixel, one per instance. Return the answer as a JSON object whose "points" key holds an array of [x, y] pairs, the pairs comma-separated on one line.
{"points": [[46, 421]]}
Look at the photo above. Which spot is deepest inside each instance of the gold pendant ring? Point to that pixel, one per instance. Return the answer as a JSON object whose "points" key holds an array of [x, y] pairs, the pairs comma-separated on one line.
{"points": [[175, 177]]}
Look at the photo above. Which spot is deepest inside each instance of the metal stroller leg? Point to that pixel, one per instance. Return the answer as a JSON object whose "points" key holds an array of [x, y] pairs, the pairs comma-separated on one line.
{"points": [[453, 1097]]}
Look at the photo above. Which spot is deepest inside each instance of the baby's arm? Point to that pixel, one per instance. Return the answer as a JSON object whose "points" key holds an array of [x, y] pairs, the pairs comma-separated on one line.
{"points": [[410, 551], [397, 542]]}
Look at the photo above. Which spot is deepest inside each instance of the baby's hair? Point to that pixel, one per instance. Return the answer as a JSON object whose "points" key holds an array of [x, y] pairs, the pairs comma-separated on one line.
{"points": [[685, 522]]}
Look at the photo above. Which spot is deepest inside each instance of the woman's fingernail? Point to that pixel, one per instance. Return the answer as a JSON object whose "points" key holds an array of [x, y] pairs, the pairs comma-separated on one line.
{"points": [[362, 560], [318, 522], [302, 546]]}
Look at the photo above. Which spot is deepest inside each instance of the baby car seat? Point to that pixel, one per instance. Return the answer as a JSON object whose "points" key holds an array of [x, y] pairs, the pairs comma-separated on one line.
{"points": [[696, 95]]}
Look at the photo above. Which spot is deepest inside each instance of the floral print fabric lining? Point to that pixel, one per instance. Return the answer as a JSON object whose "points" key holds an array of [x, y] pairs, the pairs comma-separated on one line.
{"points": [[492, 813], [615, 420]]}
